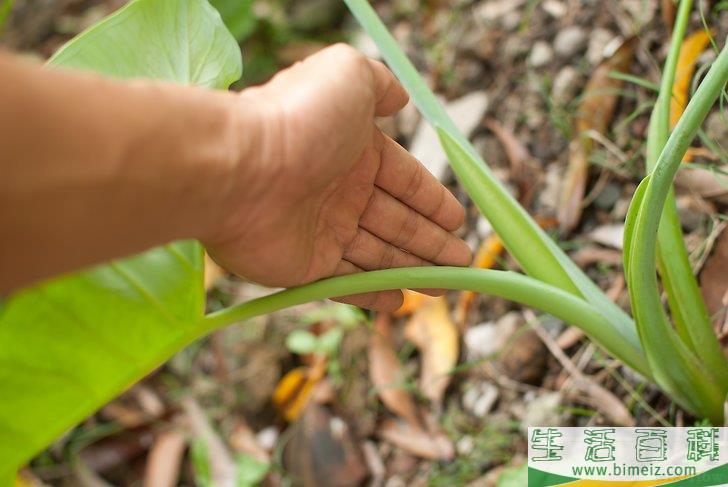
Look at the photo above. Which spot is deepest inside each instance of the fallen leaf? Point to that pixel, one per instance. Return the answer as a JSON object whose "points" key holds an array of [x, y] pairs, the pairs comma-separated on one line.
{"points": [[164, 459], [608, 235], [412, 301], [113, 451], [517, 154], [244, 440], [387, 374], [523, 170], [294, 390], [26, 478], [322, 451], [592, 254], [714, 280], [704, 182], [668, 9], [212, 272], [220, 462], [690, 50], [485, 258], [595, 113], [417, 441], [433, 332]]}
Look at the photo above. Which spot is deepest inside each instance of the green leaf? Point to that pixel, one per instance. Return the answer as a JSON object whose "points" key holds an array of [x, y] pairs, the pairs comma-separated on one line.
{"points": [[70, 345], [514, 477], [172, 40], [343, 314], [302, 342], [679, 371], [238, 16], [534, 250], [250, 471], [330, 341]]}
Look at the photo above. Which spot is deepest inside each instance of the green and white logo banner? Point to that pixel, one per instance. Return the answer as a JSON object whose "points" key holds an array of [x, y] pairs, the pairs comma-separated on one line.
{"points": [[621, 457]]}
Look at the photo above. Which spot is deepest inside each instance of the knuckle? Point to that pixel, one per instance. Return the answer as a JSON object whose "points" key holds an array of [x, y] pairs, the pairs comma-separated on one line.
{"points": [[415, 184], [408, 229]]}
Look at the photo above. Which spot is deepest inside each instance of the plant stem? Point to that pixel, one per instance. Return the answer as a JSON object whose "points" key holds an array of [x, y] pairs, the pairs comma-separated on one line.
{"points": [[676, 368], [508, 285], [689, 312]]}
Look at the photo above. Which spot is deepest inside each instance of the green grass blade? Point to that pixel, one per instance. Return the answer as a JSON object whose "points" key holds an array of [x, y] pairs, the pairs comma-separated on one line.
{"points": [[674, 366], [527, 237], [686, 304], [505, 284]]}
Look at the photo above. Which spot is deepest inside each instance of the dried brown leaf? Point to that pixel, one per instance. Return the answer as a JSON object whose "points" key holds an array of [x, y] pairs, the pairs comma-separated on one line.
{"points": [[223, 471], [322, 451], [595, 113], [417, 441], [714, 280], [387, 374], [164, 459], [668, 10], [432, 330]]}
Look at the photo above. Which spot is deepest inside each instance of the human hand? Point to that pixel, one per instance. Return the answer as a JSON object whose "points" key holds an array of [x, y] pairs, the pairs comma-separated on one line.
{"points": [[322, 191]]}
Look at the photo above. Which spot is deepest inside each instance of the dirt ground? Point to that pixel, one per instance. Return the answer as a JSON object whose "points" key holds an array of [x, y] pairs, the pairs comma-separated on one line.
{"points": [[441, 392]]}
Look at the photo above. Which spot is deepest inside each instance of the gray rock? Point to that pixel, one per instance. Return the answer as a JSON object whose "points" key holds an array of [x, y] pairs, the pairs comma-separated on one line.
{"points": [[541, 54], [608, 196], [480, 399], [554, 8], [608, 235], [486, 339], [570, 41], [598, 41], [543, 411], [566, 84]]}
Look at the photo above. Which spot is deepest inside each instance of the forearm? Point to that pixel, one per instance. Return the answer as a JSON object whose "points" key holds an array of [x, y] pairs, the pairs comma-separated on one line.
{"points": [[94, 169]]}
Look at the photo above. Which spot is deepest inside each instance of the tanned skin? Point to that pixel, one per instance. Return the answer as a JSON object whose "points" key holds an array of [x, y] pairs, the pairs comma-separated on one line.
{"points": [[284, 183]]}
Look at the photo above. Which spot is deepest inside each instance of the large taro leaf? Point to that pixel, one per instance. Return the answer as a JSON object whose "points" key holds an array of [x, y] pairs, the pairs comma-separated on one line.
{"points": [[70, 345]]}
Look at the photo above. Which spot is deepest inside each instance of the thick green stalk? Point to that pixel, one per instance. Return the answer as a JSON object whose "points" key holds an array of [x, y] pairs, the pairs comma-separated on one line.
{"points": [[538, 255], [675, 367], [509, 285], [689, 312]]}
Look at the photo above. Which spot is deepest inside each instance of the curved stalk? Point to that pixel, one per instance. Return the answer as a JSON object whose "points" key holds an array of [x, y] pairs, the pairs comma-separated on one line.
{"points": [[509, 285], [676, 368], [687, 307]]}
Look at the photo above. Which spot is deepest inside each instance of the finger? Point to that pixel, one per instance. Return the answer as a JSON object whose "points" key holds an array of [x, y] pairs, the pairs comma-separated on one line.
{"points": [[371, 252], [405, 178], [378, 301], [390, 94], [398, 224]]}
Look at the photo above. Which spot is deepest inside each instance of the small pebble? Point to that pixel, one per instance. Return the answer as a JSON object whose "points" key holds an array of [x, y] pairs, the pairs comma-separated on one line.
{"points": [[541, 54], [570, 41], [598, 40], [566, 84], [554, 8]]}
